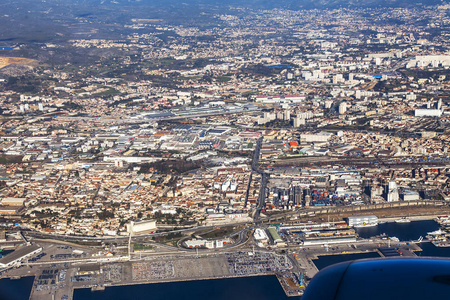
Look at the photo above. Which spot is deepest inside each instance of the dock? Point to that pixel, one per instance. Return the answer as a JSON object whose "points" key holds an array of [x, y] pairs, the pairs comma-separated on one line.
{"points": [[293, 267]]}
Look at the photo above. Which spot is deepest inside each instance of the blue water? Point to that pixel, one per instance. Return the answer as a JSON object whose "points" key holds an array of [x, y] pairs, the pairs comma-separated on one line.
{"points": [[404, 231], [431, 250], [328, 260], [247, 288], [6, 48], [19, 289]]}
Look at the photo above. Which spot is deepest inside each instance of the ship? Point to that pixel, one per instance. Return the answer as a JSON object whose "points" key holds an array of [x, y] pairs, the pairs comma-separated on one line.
{"points": [[441, 244], [436, 232], [394, 238], [402, 220], [363, 225]]}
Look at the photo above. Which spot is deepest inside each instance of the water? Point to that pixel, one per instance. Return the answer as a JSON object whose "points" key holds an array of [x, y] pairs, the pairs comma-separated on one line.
{"points": [[19, 289], [328, 260], [5, 252], [431, 250], [247, 288], [403, 231]]}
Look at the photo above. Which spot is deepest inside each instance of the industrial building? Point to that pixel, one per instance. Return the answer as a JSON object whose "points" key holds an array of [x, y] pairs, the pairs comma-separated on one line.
{"points": [[195, 243], [18, 255], [326, 236], [275, 237], [260, 235], [141, 227], [9, 201], [321, 137], [422, 112], [369, 220], [410, 195], [91, 269], [10, 210], [198, 243]]}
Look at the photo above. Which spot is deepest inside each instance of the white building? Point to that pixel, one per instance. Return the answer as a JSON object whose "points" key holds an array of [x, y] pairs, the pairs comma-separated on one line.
{"points": [[392, 194], [10, 201], [362, 220], [430, 60], [260, 235], [19, 255], [299, 121], [410, 195], [421, 112], [342, 108], [141, 227], [311, 138], [196, 243]]}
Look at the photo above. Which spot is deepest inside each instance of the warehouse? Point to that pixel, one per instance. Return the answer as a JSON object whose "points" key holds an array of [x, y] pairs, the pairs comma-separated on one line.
{"points": [[362, 220], [275, 237], [18, 255], [141, 227]]}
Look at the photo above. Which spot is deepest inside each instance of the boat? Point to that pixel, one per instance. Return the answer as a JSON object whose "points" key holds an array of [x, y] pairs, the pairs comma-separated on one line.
{"points": [[382, 222], [436, 232], [394, 238], [402, 220], [363, 225], [441, 244]]}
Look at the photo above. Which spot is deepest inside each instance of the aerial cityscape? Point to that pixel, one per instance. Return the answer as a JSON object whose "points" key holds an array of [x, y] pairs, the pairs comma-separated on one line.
{"points": [[148, 144]]}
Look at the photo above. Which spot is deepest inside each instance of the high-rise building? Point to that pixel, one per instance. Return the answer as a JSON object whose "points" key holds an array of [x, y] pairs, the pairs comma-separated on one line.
{"points": [[342, 108], [287, 115], [298, 121], [439, 104], [350, 77], [392, 193]]}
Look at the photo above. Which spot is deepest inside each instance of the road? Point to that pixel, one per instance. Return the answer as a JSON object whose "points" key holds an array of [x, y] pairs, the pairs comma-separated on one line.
{"points": [[367, 162], [254, 167], [264, 179]]}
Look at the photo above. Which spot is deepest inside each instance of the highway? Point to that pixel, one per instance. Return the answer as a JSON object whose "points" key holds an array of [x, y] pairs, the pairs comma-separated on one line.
{"points": [[255, 167], [264, 179], [366, 162]]}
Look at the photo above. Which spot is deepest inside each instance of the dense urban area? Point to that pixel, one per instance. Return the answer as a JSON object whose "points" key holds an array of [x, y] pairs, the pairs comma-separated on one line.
{"points": [[224, 145]]}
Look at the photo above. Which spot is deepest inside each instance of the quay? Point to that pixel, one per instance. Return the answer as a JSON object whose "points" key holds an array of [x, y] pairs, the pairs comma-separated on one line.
{"points": [[293, 266], [62, 267]]}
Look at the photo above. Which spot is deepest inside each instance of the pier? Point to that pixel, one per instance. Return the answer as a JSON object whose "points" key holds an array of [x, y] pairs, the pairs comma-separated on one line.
{"points": [[293, 268], [64, 267]]}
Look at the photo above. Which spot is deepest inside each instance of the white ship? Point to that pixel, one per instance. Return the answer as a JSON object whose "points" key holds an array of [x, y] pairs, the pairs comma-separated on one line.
{"points": [[402, 220], [363, 225], [394, 238], [441, 244], [436, 232]]}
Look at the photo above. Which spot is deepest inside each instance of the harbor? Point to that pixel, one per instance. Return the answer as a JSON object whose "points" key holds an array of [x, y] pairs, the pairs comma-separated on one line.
{"points": [[64, 272]]}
